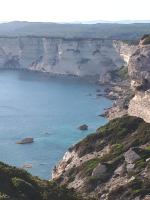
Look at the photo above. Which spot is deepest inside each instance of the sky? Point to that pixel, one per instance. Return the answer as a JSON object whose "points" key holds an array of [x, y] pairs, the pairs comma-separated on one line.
{"points": [[74, 10]]}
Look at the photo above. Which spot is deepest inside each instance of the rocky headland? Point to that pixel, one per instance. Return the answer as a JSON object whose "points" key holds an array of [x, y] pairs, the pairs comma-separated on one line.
{"points": [[113, 163]]}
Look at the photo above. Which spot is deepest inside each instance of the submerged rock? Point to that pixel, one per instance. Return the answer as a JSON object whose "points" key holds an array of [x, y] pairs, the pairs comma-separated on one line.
{"points": [[27, 166], [83, 127], [25, 141], [98, 90]]}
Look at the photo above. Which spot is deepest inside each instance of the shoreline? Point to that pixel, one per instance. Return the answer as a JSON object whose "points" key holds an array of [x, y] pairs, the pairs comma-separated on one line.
{"points": [[90, 78], [120, 93]]}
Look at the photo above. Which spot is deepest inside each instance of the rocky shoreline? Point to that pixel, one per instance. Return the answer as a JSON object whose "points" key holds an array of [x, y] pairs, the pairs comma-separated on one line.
{"points": [[120, 93]]}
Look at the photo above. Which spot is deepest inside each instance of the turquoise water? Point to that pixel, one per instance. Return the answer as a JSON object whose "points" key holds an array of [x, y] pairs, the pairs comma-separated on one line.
{"points": [[49, 109]]}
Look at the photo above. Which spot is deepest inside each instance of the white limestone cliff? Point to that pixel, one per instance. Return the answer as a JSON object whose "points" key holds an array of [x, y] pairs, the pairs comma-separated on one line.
{"points": [[139, 71], [140, 106], [64, 56]]}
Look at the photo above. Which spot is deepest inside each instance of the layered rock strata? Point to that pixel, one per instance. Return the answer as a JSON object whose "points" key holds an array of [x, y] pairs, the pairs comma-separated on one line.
{"points": [[76, 56]]}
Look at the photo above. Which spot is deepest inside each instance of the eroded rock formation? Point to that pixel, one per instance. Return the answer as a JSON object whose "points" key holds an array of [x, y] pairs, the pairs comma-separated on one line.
{"points": [[139, 71], [64, 56]]}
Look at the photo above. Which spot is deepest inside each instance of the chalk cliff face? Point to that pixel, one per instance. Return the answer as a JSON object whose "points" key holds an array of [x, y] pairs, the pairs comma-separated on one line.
{"points": [[139, 71], [140, 105], [139, 64], [63, 56], [125, 50]]}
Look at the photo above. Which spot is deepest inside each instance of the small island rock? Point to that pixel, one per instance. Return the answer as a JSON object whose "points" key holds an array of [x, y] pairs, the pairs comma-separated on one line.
{"points": [[83, 127], [25, 141]]}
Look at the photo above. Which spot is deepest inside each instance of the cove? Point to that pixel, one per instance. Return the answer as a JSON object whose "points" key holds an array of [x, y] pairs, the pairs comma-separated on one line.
{"points": [[49, 109]]}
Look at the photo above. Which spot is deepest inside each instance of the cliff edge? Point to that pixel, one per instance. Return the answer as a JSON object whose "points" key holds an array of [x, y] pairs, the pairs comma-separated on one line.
{"points": [[78, 56], [139, 71]]}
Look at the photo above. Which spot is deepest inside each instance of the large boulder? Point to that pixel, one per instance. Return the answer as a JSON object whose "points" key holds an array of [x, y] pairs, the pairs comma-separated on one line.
{"points": [[99, 170], [130, 167], [120, 170], [131, 156]]}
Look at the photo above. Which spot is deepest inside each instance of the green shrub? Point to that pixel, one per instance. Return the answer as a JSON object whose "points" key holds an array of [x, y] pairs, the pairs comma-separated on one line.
{"points": [[116, 131], [87, 167], [140, 164], [121, 73], [24, 187], [17, 184], [147, 147], [114, 153], [146, 39]]}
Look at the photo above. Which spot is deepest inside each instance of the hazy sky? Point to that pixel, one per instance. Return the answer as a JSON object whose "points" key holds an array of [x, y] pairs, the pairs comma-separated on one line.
{"points": [[74, 10]]}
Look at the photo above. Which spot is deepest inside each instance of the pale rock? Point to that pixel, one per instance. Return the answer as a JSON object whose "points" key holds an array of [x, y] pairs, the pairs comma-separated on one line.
{"points": [[140, 105], [139, 71], [120, 170], [131, 156], [27, 166], [130, 167], [139, 64], [78, 56], [147, 197], [137, 198], [99, 170], [148, 159]]}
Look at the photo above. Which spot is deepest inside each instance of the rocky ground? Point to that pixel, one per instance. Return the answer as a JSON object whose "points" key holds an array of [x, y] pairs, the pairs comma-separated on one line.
{"points": [[121, 95], [112, 163], [118, 90]]}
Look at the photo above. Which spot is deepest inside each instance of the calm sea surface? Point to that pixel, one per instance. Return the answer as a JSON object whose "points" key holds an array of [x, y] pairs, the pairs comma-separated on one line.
{"points": [[49, 109]]}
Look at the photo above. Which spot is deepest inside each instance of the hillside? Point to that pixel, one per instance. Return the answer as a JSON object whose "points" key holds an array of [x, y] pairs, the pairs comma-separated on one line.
{"points": [[111, 164], [100, 30], [17, 184]]}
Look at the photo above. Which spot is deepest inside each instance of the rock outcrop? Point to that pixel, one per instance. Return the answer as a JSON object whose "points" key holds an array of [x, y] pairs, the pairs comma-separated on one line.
{"points": [[99, 170], [139, 71], [139, 63], [76, 56], [131, 156], [140, 105]]}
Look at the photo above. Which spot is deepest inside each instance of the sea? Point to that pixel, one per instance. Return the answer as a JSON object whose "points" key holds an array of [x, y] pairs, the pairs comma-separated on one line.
{"points": [[49, 109]]}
